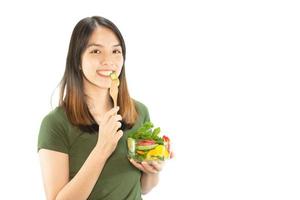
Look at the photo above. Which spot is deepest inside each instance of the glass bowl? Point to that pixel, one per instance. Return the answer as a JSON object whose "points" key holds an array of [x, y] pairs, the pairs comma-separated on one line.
{"points": [[148, 150]]}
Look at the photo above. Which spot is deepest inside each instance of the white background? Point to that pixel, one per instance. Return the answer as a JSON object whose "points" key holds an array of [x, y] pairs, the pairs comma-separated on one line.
{"points": [[221, 78]]}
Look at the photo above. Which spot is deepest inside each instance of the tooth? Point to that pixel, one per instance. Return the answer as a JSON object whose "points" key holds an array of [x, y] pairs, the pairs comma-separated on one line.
{"points": [[105, 73]]}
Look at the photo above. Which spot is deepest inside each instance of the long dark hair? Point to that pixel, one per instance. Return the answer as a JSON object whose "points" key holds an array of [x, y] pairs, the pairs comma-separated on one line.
{"points": [[71, 86]]}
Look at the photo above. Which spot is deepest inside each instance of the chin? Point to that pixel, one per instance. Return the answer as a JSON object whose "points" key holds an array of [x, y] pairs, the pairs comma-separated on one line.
{"points": [[103, 86], [99, 85]]}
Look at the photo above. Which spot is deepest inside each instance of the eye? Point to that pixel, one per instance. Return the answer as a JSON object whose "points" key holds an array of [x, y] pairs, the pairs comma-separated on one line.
{"points": [[96, 51], [116, 51]]}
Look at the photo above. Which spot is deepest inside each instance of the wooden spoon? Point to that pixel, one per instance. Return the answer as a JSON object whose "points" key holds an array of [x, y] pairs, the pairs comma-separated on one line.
{"points": [[113, 91]]}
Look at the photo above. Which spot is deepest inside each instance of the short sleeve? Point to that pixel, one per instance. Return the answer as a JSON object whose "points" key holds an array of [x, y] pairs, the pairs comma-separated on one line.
{"points": [[53, 134], [147, 115], [143, 111]]}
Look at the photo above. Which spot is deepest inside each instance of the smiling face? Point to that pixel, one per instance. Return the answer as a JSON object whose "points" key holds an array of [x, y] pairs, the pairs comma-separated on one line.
{"points": [[102, 56]]}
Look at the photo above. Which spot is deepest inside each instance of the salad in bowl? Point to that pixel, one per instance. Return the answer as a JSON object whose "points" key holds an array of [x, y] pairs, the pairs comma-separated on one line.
{"points": [[145, 144]]}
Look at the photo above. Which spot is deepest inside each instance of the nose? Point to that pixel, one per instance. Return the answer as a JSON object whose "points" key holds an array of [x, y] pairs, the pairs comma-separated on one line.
{"points": [[109, 64], [107, 60]]}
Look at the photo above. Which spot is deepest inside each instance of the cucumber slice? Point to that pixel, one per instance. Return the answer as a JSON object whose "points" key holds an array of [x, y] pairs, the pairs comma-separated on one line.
{"points": [[113, 76], [148, 147], [131, 144]]}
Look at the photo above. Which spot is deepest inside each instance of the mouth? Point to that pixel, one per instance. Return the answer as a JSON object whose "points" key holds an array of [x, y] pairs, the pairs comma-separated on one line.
{"points": [[105, 73]]}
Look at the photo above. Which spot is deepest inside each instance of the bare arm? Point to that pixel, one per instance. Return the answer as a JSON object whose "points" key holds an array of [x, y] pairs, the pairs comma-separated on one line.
{"points": [[55, 165], [148, 182], [55, 171], [150, 175]]}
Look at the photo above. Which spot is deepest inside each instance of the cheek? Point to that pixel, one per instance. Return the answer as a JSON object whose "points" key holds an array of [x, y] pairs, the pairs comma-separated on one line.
{"points": [[84, 61], [119, 62], [87, 67], [88, 64], [120, 67]]}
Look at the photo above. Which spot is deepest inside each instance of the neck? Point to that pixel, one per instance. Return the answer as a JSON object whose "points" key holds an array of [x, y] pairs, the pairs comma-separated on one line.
{"points": [[98, 100]]}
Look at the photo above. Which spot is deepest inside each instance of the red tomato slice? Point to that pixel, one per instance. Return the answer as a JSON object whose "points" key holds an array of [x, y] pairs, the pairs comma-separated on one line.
{"points": [[145, 142], [166, 139]]}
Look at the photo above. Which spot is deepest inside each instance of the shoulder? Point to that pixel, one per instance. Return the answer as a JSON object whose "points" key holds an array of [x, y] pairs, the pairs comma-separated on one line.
{"points": [[53, 133], [56, 119], [142, 109], [140, 106]]}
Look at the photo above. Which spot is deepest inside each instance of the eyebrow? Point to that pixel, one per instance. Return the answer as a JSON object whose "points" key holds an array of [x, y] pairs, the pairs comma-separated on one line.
{"points": [[100, 45]]}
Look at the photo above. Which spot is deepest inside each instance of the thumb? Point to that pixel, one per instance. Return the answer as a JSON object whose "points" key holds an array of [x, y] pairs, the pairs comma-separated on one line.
{"points": [[119, 134]]}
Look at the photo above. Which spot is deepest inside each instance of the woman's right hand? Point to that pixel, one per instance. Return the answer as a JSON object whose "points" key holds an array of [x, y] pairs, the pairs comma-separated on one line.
{"points": [[108, 135]]}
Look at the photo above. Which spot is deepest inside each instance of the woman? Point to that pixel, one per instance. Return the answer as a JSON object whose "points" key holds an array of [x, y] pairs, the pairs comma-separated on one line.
{"points": [[82, 142]]}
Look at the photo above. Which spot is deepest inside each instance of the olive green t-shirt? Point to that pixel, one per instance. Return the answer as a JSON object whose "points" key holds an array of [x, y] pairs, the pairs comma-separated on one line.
{"points": [[119, 179]]}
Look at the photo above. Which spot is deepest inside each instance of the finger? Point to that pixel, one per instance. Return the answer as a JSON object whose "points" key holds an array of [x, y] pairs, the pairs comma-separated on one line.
{"points": [[115, 118], [117, 125], [119, 134], [137, 165], [110, 113], [172, 154], [149, 168], [157, 165], [114, 126]]}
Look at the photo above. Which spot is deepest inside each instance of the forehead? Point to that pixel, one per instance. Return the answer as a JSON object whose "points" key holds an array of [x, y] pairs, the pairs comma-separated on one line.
{"points": [[104, 36]]}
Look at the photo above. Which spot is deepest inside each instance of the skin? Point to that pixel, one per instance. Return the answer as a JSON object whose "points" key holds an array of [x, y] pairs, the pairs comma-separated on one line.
{"points": [[103, 52]]}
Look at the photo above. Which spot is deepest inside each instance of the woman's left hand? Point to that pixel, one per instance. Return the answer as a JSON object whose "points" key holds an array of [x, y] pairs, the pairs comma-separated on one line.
{"points": [[150, 167]]}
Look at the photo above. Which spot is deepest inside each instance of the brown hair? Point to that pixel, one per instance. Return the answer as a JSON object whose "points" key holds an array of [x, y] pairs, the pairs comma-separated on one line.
{"points": [[72, 97]]}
